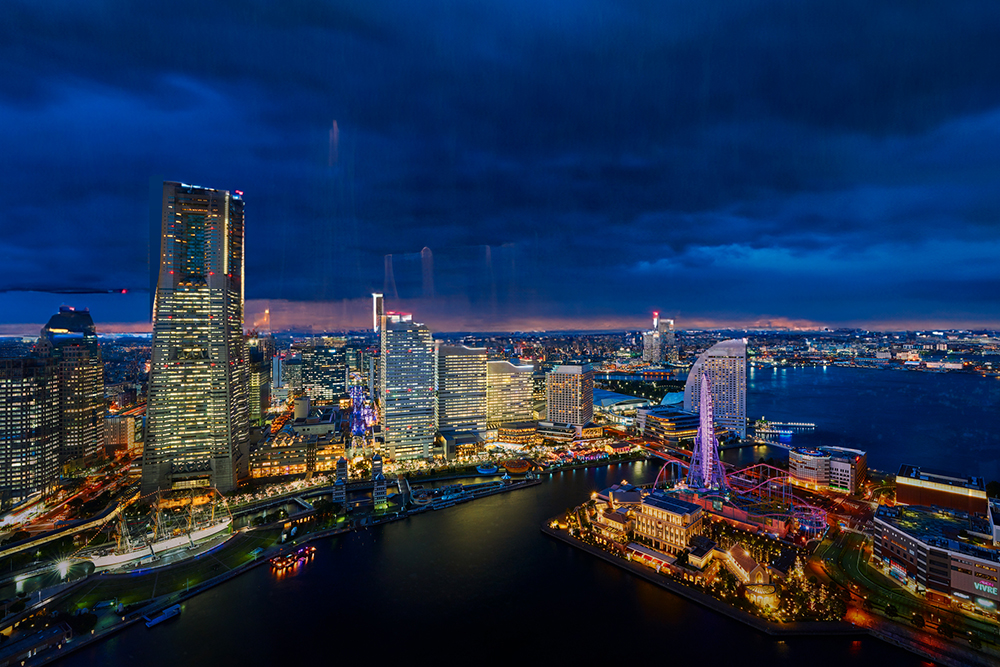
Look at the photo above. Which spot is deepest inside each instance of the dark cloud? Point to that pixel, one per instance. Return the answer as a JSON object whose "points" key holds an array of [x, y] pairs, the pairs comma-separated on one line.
{"points": [[834, 162]]}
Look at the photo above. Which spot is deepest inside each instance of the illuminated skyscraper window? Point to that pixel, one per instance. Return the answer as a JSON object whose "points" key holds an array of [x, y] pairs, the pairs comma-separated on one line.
{"points": [[461, 388], [70, 340], [406, 387], [198, 382], [726, 365], [569, 394]]}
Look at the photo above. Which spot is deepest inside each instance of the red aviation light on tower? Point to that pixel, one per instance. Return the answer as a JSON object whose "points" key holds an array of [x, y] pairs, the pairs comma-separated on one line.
{"points": [[656, 320]]}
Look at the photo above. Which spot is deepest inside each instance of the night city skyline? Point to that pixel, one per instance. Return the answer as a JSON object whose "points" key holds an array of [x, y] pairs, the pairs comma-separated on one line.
{"points": [[568, 165], [375, 330]]}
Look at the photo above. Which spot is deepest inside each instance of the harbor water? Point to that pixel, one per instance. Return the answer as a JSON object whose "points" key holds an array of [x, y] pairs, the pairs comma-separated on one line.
{"points": [[479, 579]]}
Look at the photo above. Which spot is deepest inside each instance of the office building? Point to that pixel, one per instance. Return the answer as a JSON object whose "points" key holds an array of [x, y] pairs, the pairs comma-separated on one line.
{"points": [[916, 486], [668, 424], [261, 355], [508, 393], [726, 365], [291, 370], [837, 468], [70, 340], [119, 436], [324, 372], [406, 387], [569, 394], [198, 428], [659, 345], [809, 466], [29, 428], [848, 468], [461, 389], [378, 311]]}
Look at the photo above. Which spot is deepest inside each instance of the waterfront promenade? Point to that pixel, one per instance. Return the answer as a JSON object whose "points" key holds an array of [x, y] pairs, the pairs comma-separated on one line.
{"points": [[919, 643], [152, 590]]}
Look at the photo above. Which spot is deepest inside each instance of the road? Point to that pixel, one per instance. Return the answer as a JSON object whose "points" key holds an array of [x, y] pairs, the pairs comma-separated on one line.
{"points": [[845, 561]]}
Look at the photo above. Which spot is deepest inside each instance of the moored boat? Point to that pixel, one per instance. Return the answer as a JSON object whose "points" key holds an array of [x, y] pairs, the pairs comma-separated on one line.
{"points": [[164, 615]]}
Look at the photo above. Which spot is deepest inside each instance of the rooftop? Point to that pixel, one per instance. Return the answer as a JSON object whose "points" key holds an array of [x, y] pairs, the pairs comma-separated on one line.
{"points": [[670, 504], [941, 477], [937, 527], [742, 558]]}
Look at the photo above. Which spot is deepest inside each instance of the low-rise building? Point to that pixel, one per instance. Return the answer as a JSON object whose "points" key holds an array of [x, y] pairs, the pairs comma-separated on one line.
{"points": [[556, 432], [745, 568], [287, 454], [809, 466], [917, 486], [848, 468], [667, 522], [837, 468], [933, 549], [518, 433]]}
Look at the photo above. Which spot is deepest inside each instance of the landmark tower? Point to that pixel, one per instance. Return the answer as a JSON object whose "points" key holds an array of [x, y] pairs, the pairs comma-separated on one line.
{"points": [[198, 428]]}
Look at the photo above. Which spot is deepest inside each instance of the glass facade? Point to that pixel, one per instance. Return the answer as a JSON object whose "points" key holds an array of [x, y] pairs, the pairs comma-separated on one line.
{"points": [[199, 374], [726, 365], [406, 388]]}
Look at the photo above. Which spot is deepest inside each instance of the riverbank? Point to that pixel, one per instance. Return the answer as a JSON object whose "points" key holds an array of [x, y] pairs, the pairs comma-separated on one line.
{"points": [[904, 638]]}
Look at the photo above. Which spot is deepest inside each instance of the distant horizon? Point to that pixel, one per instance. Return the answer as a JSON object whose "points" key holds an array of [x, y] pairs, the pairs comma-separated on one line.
{"points": [[302, 318]]}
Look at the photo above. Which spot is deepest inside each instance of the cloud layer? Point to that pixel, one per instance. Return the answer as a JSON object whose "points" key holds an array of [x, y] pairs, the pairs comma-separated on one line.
{"points": [[573, 162]]}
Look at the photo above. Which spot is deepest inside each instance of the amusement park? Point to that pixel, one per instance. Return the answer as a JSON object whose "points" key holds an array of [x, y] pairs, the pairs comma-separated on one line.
{"points": [[759, 497], [739, 535]]}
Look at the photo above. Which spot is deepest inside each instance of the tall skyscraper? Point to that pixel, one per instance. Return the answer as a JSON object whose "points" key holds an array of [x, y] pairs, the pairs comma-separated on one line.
{"points": [[198, 428], [508, 392], [569, 394], [260, 354], [669, 340], [660, 343], [70, 340], [29, 428], [461, 388], [324, 372], [726, 365], [406, 387], [378, 306]]}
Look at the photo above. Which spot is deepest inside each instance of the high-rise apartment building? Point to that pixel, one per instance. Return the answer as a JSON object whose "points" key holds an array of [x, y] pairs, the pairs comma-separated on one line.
{"points": [[70, 340], [198, 428], [29, 428], [726, 365], [508, 393], [569, 394], [406, 387], [461, 388]]}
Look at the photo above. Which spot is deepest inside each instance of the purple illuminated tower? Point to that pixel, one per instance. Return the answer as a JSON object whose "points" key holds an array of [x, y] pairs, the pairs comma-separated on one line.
{"points": [[706, 471]]}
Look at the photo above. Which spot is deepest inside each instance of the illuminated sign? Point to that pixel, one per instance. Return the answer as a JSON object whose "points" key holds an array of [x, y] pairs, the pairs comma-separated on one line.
{"points": [[986, 587]]}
